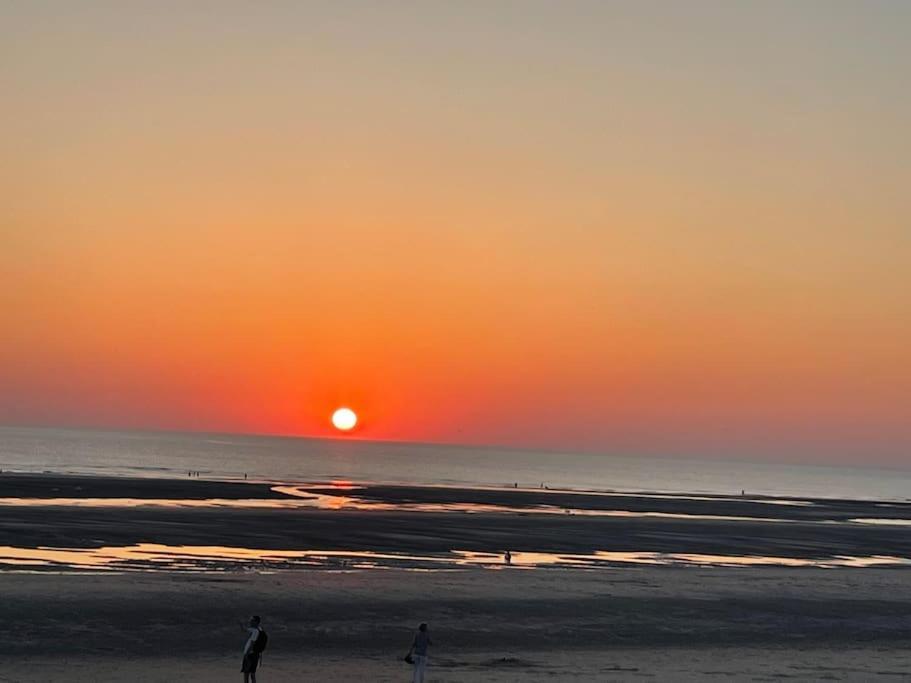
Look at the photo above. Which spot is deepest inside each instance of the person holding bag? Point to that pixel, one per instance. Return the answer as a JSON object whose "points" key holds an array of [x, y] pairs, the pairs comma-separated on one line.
{"points": [[417, 655]]}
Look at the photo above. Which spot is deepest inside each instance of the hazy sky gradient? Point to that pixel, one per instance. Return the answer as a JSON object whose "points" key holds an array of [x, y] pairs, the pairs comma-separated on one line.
{"points": [[677, 228]]}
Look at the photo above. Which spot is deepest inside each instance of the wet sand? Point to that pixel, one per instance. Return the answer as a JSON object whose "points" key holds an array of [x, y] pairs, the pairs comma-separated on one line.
{"points": [[649, 524], [610, 622], [13, 485]]}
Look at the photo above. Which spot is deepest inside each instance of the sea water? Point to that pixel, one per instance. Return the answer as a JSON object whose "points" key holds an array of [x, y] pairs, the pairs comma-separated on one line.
{"points": [[291, 459]]}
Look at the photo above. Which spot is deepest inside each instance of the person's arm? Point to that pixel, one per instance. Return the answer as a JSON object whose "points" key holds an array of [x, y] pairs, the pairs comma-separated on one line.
{"points": [[250, 640]]}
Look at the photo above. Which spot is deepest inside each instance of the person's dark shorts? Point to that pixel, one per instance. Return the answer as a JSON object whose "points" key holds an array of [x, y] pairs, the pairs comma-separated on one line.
{"points": [[251, 661]]}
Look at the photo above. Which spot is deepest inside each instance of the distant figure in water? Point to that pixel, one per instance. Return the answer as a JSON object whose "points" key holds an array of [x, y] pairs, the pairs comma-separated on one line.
{"points": [[508, 557], [253, 650], [245, 475], [743, 492], [516, 485], [418, 653]]}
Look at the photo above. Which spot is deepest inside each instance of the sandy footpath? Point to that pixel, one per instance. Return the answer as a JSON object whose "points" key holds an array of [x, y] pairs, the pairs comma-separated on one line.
{"points": [[666, 624]]}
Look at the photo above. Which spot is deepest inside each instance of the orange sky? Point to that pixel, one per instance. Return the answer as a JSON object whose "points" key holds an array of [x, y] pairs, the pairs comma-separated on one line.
{"points": [[601, 228]]}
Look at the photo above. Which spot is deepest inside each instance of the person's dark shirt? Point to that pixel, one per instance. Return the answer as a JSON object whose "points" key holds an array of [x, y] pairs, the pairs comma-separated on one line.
{"points": [[421, 641]]}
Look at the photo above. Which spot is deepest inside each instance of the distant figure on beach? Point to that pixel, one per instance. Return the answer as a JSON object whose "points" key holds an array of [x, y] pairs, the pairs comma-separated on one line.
{"points": [[508, 557], [418, 653], [253, 650], [743, 492]]}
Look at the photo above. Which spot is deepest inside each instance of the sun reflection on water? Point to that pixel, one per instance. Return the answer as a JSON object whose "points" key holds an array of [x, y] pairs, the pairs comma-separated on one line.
{"points": [[157, 557]]}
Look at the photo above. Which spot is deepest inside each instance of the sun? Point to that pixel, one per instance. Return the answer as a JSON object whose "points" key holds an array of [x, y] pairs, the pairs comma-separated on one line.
{"points": [[344, 419]]}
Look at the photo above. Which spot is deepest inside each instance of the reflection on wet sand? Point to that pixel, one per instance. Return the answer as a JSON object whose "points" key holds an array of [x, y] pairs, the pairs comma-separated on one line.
{"points": [[886, 522], [343, 496], [303, 498], [277, 504], [333, 501], [152, 557]]}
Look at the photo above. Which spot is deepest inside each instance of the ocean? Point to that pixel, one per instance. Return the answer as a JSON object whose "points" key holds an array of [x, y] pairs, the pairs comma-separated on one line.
{"points": [[294, 460]]}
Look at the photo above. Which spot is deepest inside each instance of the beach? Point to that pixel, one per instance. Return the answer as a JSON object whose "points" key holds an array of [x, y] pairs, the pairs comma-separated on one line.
{"points": [[147, 579], [434, 527], [628, 624]]}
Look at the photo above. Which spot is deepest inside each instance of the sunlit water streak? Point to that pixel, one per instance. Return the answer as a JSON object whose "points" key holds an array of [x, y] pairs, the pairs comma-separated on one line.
{"points": [[242, 503], [340, 497], [884, 522], [338, 501], [156, 557], [301, 499]]}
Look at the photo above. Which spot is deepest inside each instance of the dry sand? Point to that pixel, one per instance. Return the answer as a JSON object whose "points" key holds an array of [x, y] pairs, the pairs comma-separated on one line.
{"points": [[666, 624]]}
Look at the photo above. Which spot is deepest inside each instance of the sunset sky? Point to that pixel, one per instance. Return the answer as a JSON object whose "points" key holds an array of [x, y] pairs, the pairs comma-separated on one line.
{"points": [[657, 228]]}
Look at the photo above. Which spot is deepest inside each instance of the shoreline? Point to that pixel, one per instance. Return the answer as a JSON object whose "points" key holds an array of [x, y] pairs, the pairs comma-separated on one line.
{"points": [[49, 484], [136, 523]]}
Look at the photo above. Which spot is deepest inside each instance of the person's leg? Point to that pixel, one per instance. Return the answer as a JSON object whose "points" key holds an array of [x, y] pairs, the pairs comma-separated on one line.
{"points": [[419, 664], [245, 667]]}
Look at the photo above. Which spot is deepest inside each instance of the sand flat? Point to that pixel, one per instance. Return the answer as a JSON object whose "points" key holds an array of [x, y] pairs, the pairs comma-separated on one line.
{"points": [[93, 512]]}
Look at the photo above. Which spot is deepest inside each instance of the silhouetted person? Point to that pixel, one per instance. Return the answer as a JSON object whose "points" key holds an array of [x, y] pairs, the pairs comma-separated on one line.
{"points": [[419, 651], [253, 649], [508, 557]]}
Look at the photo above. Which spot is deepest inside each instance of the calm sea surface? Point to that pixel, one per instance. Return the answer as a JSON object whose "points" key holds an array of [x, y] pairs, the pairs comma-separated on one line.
{"points": [[304, 460]]}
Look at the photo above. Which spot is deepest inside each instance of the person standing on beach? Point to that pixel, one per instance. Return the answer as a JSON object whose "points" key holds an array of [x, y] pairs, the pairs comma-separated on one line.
{"points": [[419, 651], [253, 650]]}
